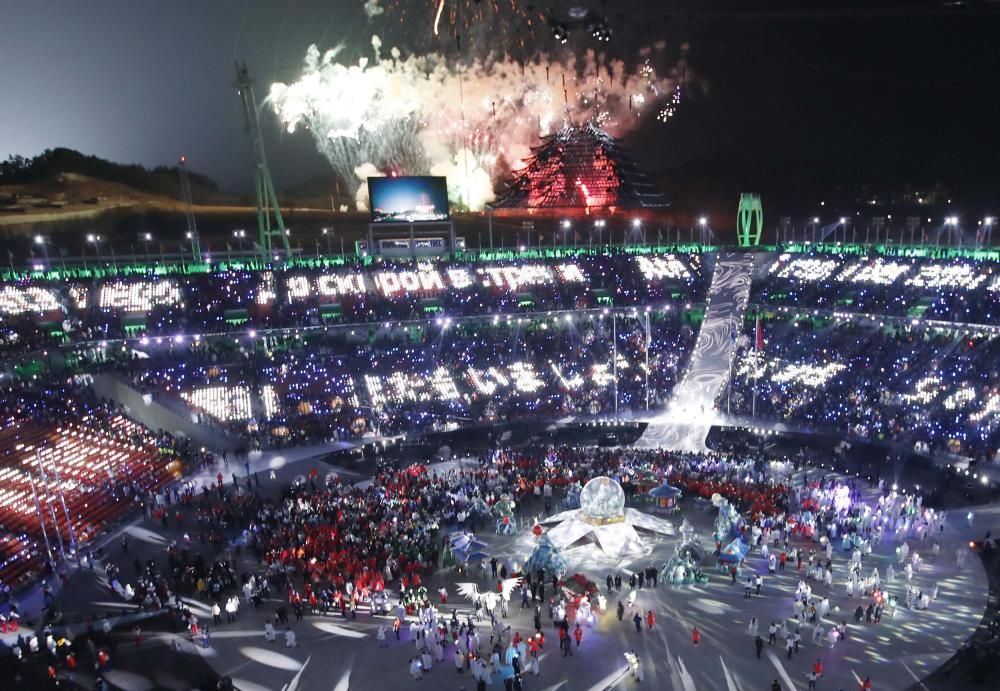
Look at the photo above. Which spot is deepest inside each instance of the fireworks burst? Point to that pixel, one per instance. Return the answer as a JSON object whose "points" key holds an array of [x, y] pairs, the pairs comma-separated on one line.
{"points": [[670, 109], [425, 114], [496, 23]]}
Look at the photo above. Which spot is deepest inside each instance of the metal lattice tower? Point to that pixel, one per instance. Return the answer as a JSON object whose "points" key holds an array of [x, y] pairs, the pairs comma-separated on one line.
{"points": [[192, 226], [269, 220]]}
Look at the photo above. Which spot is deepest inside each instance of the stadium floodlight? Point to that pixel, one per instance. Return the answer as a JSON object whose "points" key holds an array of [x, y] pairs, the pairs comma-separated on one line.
{"points": [[816, 219], [702, 221], [636, 222], [565, 223], [147, 237], [951, 221], [39, 240], [843, 220], [988, 221], [599, 223]]}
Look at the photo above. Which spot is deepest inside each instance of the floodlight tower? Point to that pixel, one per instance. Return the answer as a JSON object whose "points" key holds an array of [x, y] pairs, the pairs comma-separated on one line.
{"points": [[192, 226], [269, 220]]}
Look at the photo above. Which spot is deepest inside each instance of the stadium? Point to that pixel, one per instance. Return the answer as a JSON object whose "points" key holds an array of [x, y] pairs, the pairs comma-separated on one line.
{"points": [[170, 406], [509, 387]]}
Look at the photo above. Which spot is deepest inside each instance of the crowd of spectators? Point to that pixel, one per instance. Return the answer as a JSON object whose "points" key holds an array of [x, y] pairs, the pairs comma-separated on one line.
{"points": [[61, 442], [935, 389], [342, 384], [38, 312], [956, 289]]}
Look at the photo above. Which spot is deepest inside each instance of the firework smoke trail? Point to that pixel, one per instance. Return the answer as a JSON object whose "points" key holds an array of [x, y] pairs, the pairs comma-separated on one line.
{"points": [[437, 16], [406, 114]]}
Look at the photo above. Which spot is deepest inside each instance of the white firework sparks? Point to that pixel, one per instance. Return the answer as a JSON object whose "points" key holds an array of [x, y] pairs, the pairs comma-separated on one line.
{"points": [[426, 114]]}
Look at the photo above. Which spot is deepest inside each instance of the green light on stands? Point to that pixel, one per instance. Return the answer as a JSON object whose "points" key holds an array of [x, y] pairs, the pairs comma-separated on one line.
{"points": [[337, 261]]}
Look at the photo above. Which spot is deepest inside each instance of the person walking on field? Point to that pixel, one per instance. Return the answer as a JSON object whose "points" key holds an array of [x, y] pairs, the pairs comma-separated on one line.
{"points": [[637, 619], [578, 635], [695, 635], [650, 619]]}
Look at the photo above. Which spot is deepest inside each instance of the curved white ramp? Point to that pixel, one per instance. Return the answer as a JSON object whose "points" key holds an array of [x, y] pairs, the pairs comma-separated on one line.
{"points": [[691, 412]]}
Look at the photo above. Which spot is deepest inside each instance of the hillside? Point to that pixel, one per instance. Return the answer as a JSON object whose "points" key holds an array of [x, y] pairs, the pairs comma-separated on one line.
{"points": [[66, 185], [53, 163]]}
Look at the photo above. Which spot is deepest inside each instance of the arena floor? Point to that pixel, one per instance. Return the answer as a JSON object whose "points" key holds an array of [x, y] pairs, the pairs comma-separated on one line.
{"points": [[343, 654]]}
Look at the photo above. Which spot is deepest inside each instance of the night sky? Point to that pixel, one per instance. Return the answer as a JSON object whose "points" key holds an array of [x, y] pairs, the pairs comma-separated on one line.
{"points": [[912, 93]]}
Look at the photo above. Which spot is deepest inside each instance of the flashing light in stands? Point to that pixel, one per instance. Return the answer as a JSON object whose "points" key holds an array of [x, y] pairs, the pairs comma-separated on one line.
{"points": [[665, 267], [224, 403], [804, 269], [960, 398], [961, 276], [139, 296], [880, 271], [925, 391], [811, 376], [14, 300]]}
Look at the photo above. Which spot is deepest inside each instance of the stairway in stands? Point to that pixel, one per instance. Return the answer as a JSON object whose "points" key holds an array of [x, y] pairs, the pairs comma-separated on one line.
{"points": [[161, 414], [691, 412]]}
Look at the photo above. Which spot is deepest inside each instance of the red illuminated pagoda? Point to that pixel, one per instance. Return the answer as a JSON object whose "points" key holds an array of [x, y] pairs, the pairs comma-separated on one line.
{"points": [[580, 168]]}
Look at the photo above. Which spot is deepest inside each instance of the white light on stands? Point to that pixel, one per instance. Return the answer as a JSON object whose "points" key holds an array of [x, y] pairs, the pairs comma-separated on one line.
{"points": [[657, 268], [139, 296], [221, 402]]}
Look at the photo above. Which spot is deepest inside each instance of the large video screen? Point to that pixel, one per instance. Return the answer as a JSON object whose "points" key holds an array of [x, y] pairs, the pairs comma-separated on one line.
{"points": [[408, 199]]}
